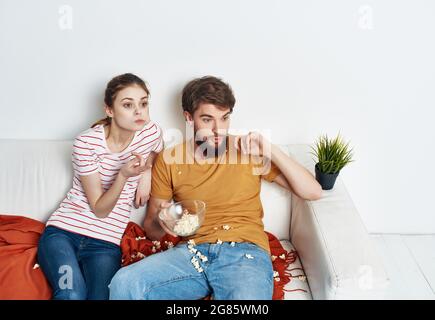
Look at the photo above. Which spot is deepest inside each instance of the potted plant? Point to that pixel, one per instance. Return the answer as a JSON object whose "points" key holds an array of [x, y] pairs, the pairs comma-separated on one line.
{"points": [[332, 155]]}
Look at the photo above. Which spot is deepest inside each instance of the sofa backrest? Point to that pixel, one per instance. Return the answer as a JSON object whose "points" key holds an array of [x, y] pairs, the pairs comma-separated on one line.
{"points": [[35, 176]]}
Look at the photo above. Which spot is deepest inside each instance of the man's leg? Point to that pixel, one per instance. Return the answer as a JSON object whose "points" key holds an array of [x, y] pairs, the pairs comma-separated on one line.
{"points": [[241, 272], [166, 275]]}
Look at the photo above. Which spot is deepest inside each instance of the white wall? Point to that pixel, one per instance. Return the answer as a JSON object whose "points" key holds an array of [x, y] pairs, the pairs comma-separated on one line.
{"points": [[299, 68]]}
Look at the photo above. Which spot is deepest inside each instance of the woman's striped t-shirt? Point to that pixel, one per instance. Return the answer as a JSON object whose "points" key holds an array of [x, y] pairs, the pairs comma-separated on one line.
{"points": [[90, 154]]}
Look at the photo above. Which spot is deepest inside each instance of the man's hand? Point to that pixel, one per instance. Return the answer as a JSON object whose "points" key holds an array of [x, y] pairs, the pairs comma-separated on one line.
{"points": [[162, 207], [253, 144], [154, 227]]}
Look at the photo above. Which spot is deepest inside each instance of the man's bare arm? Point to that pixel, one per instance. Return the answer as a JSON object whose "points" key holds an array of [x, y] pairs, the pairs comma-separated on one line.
{"points": [[152, 227], [295, 177]]}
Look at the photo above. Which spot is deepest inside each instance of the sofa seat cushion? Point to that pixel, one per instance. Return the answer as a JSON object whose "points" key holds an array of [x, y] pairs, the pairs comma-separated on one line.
{"points": [[297, 288]]}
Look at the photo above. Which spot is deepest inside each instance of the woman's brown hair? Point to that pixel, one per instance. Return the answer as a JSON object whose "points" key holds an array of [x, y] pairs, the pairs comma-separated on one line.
{"points": [[114, 86]]}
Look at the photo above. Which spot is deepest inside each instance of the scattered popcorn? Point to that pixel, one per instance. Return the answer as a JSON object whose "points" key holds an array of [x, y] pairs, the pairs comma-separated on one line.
{"points": [[153, 249], [191, 242], [187, 224], [36, 266], [169, 244], [215, 228], [275, 274], [277, 279], [302, 278], [249, 256], [199, 254], [233, 244], [157, 244], [219, 241], [226, 227], [282, 256], [195, 263], [140, 255], [193, 250], [140, 238], [273, 258]]}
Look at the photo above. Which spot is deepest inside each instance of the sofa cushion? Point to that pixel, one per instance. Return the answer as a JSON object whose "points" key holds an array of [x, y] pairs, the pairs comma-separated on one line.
{"points": [[297, 288]]}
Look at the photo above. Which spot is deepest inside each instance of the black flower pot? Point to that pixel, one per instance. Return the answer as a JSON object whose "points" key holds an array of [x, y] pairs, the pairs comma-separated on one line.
{"points": [[326, 180]]}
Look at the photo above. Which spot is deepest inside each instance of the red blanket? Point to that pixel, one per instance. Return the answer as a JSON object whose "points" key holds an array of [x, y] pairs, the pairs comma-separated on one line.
{"points": [[21, 278]]}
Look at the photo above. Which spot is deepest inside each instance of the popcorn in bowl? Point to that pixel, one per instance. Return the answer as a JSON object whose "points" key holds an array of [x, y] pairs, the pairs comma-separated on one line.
{"points": [[183, 218], [187, 224]]}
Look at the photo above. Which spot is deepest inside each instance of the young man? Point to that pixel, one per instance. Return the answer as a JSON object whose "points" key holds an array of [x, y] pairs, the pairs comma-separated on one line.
{"points": [[229, 256]]}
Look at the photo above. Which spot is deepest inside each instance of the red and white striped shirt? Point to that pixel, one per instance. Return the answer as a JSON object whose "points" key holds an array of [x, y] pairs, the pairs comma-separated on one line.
{"points": [[91, 154]]}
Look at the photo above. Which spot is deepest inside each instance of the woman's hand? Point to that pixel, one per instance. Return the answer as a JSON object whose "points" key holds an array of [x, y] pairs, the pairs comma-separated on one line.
{"points": [[133, 167], [143, 189]]}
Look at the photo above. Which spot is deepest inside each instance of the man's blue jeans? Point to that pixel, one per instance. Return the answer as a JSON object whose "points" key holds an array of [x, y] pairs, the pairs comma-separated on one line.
{"points": [[242, 271], [77, 267]]}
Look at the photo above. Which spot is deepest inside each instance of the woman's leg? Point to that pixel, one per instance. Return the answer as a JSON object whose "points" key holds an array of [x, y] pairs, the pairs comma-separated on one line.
{"points": [[57, 258], [100, 260]]}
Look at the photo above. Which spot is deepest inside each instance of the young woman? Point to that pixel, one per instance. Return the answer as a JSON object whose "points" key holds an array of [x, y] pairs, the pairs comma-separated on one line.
{"points": [[79, 250]]}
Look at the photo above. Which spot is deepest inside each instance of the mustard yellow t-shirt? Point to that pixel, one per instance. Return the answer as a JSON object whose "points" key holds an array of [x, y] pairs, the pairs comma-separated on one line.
{"points": [[230, 187]]}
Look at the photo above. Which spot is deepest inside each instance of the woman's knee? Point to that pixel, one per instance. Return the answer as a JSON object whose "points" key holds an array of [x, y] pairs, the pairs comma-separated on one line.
{"points": [[70, 294]]}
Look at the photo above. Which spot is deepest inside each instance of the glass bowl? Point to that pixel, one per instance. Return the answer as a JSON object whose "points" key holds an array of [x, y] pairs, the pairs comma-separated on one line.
{"points": [[183, 218]]}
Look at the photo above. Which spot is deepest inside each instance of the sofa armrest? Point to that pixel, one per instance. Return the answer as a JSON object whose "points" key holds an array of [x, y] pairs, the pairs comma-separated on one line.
{"points": [[337, 253]]}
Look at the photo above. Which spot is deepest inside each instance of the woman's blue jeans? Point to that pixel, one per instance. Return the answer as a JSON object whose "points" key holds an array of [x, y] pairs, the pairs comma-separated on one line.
{"points": [[77, 267]]}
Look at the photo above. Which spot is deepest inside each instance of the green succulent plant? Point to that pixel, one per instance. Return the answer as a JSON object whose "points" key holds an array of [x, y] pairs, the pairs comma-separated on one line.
{"points": [[332, 154]]}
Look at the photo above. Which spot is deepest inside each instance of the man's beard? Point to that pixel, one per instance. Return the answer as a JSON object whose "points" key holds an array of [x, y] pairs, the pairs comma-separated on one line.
{"points": [[212, 150]]}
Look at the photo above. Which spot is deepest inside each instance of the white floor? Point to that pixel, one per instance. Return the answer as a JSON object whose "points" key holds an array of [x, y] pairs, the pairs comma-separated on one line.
{"points": [[410, 263]]}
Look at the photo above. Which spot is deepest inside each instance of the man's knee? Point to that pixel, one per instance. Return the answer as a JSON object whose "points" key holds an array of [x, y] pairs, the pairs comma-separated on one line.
{"points": [[125, 285], [118, 284], [246, 286], [247, 292], [263, 293]]}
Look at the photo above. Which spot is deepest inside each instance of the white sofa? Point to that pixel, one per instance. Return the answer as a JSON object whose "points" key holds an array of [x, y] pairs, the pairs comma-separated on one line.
{"points": [[335, 251]]}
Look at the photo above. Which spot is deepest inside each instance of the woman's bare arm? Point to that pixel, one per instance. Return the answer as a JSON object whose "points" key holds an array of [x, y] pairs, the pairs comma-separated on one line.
{"points": [[102, 203]]}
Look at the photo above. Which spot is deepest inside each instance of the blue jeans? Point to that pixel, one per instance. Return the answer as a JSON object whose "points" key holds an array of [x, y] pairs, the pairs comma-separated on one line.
{"points": [[77, 267], [240, 272]]}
